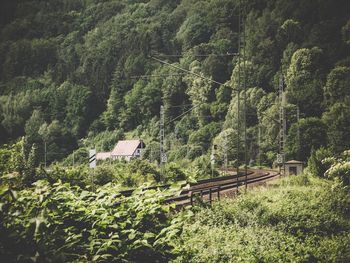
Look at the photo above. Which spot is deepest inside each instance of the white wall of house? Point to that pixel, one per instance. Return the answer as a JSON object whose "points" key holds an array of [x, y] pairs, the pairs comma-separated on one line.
{"points": [[136, 154]]}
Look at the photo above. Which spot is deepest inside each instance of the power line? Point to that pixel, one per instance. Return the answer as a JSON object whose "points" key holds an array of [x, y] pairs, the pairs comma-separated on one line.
{"points": [[228, 54], [188, 71], [181, 115], [157, 75]]}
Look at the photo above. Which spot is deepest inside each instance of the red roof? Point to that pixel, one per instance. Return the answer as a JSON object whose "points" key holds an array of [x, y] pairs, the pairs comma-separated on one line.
{"points": [[126, 148]]}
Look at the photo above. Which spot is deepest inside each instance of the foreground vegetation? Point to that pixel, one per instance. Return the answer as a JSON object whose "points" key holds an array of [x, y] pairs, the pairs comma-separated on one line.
{"points": [[72, 75], [297, 219]]}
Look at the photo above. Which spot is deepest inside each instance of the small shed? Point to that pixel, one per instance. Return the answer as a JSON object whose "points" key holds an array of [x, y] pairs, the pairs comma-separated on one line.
{"points": [[293, 167]]}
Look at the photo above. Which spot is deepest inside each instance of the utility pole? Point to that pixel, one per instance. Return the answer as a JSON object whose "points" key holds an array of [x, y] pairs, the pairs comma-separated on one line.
{"points": [[212, 160], [298, 132], [238, 95], [259, 145], [282, 123], [225, 154], [243, 16], [45, 157], [163, 157]]}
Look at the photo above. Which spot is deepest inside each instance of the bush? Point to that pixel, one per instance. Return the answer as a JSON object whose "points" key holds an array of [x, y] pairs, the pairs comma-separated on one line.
{"points": [[340, 171], [291, 222], [339, 168], [178, 153], [315, 165], [61, 223], [103, 175], [194, 152], [174, 173], [144, 169], [76, 176]]}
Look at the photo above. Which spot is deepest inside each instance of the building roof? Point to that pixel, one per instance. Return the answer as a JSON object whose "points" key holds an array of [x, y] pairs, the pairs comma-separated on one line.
{"points": [[103, 155], [126, 147], [294, 162]]}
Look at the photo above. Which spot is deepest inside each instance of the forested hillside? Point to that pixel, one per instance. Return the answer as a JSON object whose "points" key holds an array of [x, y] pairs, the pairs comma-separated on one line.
{"points": [[74, 69]]}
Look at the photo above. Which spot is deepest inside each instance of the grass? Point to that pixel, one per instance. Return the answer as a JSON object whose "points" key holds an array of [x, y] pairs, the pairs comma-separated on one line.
{"points": [[295, 219]]}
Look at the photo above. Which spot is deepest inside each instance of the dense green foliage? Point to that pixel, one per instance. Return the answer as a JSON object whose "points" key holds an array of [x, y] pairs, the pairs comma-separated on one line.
{"points": [[71, 70], [70, 215], [300, 219], [62, 223]]}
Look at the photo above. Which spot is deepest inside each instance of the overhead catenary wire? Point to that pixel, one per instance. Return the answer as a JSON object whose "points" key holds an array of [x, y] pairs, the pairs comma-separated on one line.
{"points": [[228, 54], [157, 75], [188, 71]]}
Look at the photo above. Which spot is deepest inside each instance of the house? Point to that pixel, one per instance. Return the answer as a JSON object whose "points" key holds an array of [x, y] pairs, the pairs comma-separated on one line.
{"points": [[293, 167], [124, 150]]}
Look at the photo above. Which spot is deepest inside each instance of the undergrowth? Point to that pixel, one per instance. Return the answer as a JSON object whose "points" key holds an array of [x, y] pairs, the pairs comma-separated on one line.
{"points": [[297, 219]]}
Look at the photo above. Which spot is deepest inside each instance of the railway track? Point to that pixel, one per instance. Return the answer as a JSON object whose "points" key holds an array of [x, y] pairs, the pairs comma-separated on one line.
{"points": [[212, 189]]}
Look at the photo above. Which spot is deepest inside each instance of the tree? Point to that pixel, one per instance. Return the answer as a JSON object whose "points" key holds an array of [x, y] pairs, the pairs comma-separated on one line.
{"points": [[173, 89], [32, 127], [78, 110], [315, 164], [31, 164], [193, 31], [305, 80], [237, 77], [204, 135], [338, 123], [346, 32], [290, 31], [337, 87], [312, 133], [198, 92], [253, 97], [131, 115], [226, 142]]}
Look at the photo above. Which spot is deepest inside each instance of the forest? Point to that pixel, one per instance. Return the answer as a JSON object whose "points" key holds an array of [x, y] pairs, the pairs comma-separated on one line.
{"points": [[77, 75]]}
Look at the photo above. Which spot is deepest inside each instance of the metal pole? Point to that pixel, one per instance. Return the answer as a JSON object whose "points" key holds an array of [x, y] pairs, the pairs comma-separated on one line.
{"points": [[259, 145], [162, 137], [245, 101], [282, 132], [45, 154], [238, 93], [298, 132]]}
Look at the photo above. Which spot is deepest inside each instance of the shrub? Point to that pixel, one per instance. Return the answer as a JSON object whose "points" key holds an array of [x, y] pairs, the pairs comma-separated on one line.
{"points": [[316, 167], [61, 223], [103, 175], [174, 173], [143, 168], [76, 176], [339, 168], [194, 152], [340, 171], [290, 222]]}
